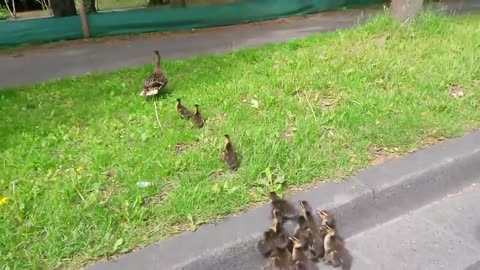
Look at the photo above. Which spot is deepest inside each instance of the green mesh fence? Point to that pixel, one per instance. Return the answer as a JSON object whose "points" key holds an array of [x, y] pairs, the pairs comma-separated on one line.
{"points": [[42, 30]]}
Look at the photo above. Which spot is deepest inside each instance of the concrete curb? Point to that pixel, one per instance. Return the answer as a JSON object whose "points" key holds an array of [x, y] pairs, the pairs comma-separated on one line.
{"points": [[372, 196]]}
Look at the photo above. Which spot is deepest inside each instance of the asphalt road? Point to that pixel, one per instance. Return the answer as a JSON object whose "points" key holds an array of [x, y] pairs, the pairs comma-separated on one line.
{"points": [[65, 61], [444, 234], [80, 59]]}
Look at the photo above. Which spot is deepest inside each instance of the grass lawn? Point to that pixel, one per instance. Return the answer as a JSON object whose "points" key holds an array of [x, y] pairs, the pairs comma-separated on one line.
{"points": [[73, 150]]}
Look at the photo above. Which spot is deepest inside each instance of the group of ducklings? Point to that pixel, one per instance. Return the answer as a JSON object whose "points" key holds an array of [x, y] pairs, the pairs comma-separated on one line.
{"points": [[228, 155], [156, 81], [310, 241]]}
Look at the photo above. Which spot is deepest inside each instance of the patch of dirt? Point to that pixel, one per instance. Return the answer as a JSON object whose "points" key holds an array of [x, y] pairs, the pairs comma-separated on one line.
{"points": [[160, 197], [180, 148], [315, 98], [110, 174], [216, 174], [380, 155], [289, 133], [456, 91], [429, 141], [326, 103]]}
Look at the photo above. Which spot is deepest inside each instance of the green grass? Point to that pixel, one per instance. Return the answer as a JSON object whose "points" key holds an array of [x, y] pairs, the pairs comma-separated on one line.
{"points": [[4, 14], [74, 149], [119, 4]]}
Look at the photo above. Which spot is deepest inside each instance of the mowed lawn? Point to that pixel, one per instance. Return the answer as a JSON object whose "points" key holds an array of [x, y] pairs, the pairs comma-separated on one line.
{"points": [[75, 151]]}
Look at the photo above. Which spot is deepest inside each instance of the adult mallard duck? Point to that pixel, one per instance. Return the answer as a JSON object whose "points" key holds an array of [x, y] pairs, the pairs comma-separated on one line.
{"points": [[156, 80]]}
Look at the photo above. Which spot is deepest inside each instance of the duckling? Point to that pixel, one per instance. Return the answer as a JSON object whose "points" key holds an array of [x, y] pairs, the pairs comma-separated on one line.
{"points": [[182, 110], [331, 248], [277, 219], [197, 119], [274, 237], [229, 156], [302, 229], [287, 209], [156, 80], [275, 263], [300, 265], [281, 259], [267, 244], [300, 250], [317, 243], [327, 219]]}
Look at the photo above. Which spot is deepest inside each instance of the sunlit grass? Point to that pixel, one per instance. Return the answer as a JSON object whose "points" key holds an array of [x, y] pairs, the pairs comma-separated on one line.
{"points": [[73, 150]]}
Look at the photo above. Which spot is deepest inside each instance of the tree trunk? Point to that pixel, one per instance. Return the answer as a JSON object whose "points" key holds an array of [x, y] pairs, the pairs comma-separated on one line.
{"points": [[90, 6], [401, 10], [63, 8]]}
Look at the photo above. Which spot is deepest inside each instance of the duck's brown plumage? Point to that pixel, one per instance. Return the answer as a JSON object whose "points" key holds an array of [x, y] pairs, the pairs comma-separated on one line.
{"points": [[316, 246], [273, 238], [156, 80], [182, 110], [229, 156], [331, 247], [197, 119], [287, 210], [300, 250]]}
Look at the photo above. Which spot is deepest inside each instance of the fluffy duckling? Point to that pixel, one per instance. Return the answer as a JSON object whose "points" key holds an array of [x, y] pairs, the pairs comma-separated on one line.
{"points": [[274, 237], [268, 242], [197, 119], [300, 250], [332, 255], [275, 263], [156, 80], [302, 229], [229, 156], [287, 210], [281, 259], [300, 265], [182, 110], [327, 219], [317, 243]]}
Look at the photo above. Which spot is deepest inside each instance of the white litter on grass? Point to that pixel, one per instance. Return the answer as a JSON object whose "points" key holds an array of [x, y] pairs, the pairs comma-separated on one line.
{"points": [[143, 184], [255, 103]]}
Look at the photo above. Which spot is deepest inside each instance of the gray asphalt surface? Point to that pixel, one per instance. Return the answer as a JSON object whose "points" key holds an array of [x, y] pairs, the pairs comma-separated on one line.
{"points": [[444, 234], [80, 59], [76, 60]]}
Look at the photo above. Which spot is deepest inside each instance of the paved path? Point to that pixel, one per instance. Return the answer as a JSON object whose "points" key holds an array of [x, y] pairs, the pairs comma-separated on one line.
{"points": [[442, 235], [76, 60]]}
